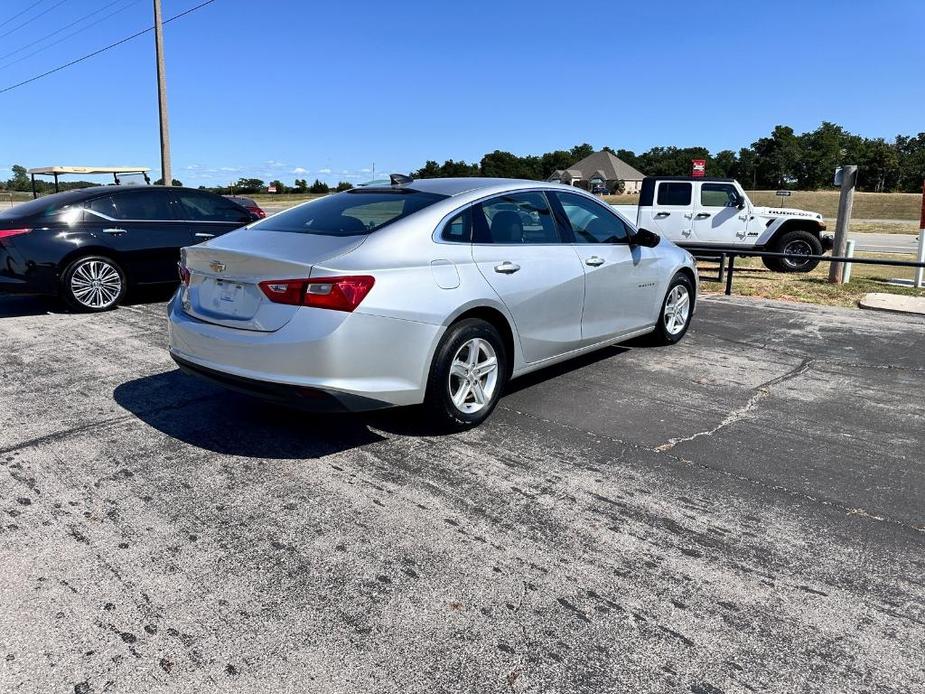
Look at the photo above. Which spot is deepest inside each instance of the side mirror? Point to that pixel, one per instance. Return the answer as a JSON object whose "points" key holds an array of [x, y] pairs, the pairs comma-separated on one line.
{"points": [[741, 204], [646, 238]]}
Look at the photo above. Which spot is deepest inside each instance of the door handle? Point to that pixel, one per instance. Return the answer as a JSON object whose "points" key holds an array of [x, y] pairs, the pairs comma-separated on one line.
{"points": [[703, 215], [114, 231], [203, 235], [507, 268], [662, 215], [594, 261]]}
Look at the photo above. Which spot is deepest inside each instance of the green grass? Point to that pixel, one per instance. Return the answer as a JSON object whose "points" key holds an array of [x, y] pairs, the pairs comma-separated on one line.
{"points": [[751, 278]]}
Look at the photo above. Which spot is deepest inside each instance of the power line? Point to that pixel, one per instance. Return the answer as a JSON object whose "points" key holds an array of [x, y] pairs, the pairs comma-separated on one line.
{"points": [[66, 36], [58, 31], [32, 19], [104, 49], [20, 14]]}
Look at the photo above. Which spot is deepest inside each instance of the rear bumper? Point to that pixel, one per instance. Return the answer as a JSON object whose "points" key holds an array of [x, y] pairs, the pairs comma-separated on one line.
{"points": [[320, 359], [19, 277]]}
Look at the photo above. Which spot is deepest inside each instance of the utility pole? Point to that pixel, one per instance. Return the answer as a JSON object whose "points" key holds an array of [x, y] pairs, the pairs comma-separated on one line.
{"points": [[920, 256], [166, 173], [849, 176]]}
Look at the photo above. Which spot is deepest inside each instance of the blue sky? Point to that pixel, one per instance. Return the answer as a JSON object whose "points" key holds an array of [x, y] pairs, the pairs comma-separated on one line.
{"points": [[291, 88]]}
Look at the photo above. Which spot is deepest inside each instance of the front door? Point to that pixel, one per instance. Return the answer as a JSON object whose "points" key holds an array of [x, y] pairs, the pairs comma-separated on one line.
{"points": [[518, 249], [621, 281], [717, 217]]}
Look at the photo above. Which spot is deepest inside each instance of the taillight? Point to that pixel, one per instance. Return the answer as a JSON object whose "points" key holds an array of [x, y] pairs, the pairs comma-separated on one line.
{"points": [[183, 271], [335, 293], [257, 211], [7, 233]]}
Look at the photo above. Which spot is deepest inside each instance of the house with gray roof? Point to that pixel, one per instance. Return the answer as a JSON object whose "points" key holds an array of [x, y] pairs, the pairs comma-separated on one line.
{"points": [[601, 167]]}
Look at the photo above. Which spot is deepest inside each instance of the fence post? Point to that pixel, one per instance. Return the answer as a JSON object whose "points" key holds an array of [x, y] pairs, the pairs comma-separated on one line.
{"points": [[921, 255], [845, 205], [849, 253]]}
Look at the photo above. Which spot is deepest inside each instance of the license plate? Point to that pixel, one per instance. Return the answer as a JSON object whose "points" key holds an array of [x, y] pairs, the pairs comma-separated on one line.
{"points": [[229, 291]]}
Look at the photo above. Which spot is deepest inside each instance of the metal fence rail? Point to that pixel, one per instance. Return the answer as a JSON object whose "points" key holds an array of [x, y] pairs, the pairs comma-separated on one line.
{"points": [[726, 258]]}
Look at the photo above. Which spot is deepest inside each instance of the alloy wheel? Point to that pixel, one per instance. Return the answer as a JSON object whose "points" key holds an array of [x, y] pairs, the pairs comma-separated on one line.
{"points": [[96, 284], [677, 309], [473, 376], [797, 248]]}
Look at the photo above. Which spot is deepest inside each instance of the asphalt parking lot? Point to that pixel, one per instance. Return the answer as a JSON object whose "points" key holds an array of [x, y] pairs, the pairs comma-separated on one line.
{"points": [[744, 511]]}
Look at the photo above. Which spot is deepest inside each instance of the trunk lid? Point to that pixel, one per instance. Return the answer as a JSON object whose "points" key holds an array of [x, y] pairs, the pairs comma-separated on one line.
{"points": [[225, 273]]}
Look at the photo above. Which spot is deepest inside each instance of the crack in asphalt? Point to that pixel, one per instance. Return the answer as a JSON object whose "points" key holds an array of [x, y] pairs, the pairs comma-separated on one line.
{"points": [[803, 496], [761, 392]]}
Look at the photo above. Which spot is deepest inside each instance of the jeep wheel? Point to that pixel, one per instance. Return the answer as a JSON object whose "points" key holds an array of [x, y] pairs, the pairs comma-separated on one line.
{"points": [[798, 243]]}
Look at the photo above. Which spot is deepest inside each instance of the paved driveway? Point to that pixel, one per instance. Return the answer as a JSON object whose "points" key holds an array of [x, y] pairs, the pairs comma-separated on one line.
{"points": [[742, 512]]}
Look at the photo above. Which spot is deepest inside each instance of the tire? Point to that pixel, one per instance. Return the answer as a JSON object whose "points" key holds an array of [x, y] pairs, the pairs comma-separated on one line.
{"points": [[773, 264], [673, 321], [92, 284], [802, 243], [455, 371]]}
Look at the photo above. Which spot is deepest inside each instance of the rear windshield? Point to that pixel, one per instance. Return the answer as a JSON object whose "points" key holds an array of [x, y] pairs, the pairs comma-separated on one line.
{"points": [[42, 206], [351, 213]]}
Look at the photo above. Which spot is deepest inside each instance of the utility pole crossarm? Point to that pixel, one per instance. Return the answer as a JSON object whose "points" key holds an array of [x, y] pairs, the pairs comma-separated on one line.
{"points": [[166, 173]]}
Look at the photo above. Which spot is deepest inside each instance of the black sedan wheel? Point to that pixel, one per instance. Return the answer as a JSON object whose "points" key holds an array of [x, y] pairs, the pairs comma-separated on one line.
{"points": [[94, 283]]}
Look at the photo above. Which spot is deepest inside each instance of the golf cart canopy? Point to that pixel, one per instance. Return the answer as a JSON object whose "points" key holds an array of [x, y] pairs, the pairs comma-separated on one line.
{"points": [[57, 171]]}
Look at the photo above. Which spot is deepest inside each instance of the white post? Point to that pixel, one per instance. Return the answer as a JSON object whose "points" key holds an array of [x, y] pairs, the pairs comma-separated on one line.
{"points": [[849, 252], [921, 254]]}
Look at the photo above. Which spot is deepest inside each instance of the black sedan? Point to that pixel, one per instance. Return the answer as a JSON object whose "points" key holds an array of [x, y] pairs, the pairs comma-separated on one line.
{"points": [[88, 246]]}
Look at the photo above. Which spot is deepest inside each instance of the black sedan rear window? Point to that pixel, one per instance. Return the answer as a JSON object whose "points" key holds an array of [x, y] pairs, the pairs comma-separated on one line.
{"points": [[351, 213]]}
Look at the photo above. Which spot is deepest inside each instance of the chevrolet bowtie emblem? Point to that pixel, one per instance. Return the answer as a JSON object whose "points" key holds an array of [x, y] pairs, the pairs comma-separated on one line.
{"points": [[217, 266]]}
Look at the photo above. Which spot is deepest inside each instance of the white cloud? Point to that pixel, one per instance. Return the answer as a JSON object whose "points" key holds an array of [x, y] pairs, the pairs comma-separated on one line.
{"points": [[324, 171], [299, 170]]}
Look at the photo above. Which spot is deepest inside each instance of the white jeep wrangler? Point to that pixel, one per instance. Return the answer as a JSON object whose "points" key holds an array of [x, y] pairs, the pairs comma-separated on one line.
{"points": [[716, 212]]}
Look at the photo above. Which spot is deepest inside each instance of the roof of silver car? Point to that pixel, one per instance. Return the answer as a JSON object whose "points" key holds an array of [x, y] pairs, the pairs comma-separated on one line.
{"points": [[458, 186]]}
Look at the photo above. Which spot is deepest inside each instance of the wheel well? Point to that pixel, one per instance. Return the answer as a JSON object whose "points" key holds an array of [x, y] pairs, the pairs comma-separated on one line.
{"points": [[795, 225], [690, 275], [500, 323], [85, 251]]}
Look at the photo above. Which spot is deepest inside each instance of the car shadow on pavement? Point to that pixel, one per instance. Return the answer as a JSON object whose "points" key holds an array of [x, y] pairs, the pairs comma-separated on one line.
{"points": [[566, 367], [213, 418], [15, 306]]}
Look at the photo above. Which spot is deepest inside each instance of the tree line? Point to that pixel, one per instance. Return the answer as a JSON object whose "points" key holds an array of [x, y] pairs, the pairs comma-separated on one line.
{"points": [[783, 159]]}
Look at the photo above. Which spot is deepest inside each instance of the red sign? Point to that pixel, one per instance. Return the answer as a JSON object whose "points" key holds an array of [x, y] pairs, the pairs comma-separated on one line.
{"points": [[698, 167]]}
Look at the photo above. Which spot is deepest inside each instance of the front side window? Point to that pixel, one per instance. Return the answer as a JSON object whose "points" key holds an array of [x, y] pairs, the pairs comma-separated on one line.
{"points": [[718, 195], [136, 205], [516, 218], [590, 222], [674, 193], [354, 212], [202, 207]]}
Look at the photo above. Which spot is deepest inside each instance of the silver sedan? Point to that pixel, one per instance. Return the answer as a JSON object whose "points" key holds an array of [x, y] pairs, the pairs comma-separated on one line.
{"points": [[433, 291]]}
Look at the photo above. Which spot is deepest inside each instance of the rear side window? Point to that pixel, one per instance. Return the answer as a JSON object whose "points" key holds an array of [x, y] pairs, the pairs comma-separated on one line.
{"points": [[516, 218], [458, 228], [350, 213], [674, 193], [137, 205], [718, 195], [202, 207]]}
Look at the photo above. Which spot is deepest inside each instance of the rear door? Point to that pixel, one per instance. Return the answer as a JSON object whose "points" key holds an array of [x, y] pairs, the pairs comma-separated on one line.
{"points": [[621, 281], [536, 273], [717, 217], [672, 212], [209, 215], [140, 226]]}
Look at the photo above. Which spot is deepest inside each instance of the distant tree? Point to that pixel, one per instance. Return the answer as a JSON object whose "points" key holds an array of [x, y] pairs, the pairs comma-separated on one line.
{"points": [[20, 179], [722, 163], [618, 188], [248, 185], [280, 187], [176, 182], [301, 186], [319, 187], [500, 164], [778, 158], [342, 186]]}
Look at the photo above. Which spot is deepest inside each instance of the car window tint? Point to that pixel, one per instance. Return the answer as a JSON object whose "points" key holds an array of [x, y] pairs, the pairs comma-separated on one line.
{"points": [[141, 205], [202, 207], [591, 222], [674, 193], [718, 195], [518, 218], [103, 205], [354, 212], [459, 228]]}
